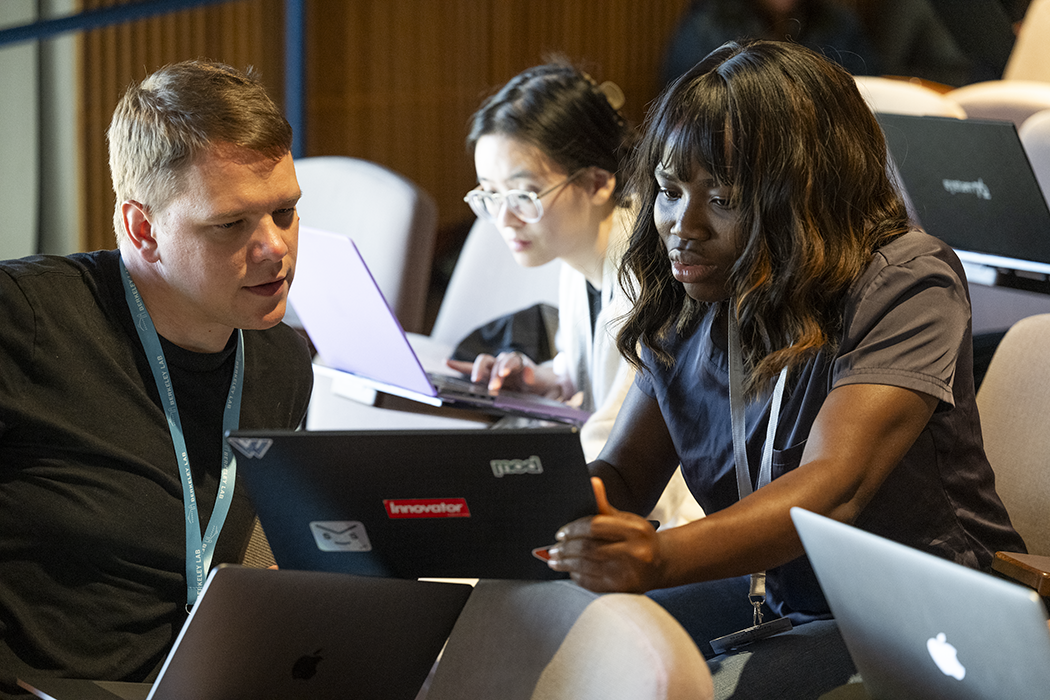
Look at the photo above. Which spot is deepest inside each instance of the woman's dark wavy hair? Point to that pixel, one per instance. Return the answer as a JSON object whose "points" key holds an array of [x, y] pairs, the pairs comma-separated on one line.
{"points": [[805, 161], [561, 110]]}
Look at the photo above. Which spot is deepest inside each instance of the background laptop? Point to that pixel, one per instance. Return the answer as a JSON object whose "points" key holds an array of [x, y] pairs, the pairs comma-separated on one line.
{"points": [[349, 322], [971, 185], [918, 626], [256, 633], [412, 504]]}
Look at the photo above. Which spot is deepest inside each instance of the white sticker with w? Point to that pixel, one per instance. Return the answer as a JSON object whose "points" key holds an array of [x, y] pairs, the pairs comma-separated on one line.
{"points": [[252, 448]]}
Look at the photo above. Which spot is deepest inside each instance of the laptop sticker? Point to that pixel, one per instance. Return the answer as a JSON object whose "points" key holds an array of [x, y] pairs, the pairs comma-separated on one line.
{"points": [[502, 467], [340, 536], [397, 508], [252, 448]]}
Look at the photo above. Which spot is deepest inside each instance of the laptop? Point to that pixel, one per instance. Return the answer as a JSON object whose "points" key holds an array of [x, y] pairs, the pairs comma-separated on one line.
{"points": [[257, 633], [354, 330], [416, 504], [919, 626], [971, 185]]}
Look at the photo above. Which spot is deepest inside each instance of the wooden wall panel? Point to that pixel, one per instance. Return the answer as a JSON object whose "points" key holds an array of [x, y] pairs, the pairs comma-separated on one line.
{"points": [[393, 81], [249, 32]]}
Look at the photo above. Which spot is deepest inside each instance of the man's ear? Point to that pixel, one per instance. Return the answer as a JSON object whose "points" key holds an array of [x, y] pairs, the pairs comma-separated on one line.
{"points": [[602, 185], [139, 230]]}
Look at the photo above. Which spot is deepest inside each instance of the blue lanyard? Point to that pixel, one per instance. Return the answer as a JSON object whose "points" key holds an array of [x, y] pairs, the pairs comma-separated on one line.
{"points": [[199, 550]]}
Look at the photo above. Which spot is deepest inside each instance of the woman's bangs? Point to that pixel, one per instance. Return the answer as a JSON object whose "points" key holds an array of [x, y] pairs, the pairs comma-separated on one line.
{"points": [[696, 135]]}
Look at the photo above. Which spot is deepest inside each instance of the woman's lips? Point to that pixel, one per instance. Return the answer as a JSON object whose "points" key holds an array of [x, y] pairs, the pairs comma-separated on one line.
{"points": [[518, 245], [691, 272]]}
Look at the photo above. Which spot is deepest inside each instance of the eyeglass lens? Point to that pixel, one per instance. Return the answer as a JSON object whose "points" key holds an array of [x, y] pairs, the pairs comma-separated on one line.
{"points": [[523, 205]]}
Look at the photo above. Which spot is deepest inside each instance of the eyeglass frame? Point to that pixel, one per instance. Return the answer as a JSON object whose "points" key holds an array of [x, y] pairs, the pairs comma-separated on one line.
{"points": [[477, 194]]}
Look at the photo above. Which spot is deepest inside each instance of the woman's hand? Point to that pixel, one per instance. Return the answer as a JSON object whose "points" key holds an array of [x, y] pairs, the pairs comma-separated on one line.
{"points": [[511, 370], [614, 551]]}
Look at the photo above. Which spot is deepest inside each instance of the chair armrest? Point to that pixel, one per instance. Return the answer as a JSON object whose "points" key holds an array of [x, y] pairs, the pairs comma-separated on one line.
{"points": [[1031, 570]]}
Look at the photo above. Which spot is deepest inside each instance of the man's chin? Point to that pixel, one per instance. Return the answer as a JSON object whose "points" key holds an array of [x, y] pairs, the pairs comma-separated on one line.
{"points": [[268, 320]]}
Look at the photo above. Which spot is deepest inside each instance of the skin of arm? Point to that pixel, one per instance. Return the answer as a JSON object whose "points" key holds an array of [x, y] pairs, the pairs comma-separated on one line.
{"points": [[860, 434]]}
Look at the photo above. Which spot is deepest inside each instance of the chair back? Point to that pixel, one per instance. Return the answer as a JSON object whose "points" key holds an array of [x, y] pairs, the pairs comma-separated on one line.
{"points": [[1035, 137], [487, 283], [1014, 402], [552, 640], [1007, 100], [904, 97], [1030, 57], [258, 554], [392, 221]]}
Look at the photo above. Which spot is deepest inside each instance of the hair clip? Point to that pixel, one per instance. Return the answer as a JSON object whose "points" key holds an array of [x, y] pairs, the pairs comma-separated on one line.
{"points": [[613, 94]]}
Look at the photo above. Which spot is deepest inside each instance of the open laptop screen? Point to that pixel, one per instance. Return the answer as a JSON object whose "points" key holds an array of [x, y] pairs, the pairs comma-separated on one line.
{"points": [[416, 503], [971, 185]]}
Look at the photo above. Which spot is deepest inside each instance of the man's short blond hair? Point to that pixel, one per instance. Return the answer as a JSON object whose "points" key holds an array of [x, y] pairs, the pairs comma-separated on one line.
{"points": [[162, 124]]}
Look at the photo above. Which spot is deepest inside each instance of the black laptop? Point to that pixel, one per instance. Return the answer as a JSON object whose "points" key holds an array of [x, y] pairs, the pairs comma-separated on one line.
{"points": [[972, 186], [256, 633], [416, 504]]}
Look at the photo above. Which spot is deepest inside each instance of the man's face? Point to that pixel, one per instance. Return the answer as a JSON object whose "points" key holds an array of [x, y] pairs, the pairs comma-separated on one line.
{"points": [[226, 244]]}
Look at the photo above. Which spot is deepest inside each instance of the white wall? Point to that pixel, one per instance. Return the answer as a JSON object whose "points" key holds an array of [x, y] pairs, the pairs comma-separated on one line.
{"points": [[60, 211], [18, 136], [39, 159]]}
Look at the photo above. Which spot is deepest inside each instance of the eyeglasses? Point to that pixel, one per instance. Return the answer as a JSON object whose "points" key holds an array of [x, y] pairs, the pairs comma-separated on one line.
{"points": [[523, 204]]}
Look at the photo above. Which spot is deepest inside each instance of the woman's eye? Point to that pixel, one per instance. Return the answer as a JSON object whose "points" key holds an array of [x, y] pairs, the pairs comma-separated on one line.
{"points": [[721, 200], [668, 193]]}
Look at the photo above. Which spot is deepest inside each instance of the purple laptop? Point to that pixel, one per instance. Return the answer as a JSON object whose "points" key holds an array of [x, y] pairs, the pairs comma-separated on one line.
{"points": [[351, 325]]}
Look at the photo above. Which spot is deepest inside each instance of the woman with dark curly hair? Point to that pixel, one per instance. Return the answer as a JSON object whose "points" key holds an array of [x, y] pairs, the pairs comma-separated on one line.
{"points": [[798, 344]]}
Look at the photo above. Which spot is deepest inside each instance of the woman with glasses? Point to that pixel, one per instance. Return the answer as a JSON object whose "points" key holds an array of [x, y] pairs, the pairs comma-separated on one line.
{"points": [[548, 149], [799, 343]]}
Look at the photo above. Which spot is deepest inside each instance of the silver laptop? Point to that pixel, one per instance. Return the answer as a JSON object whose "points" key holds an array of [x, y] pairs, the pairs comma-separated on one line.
{"points": [[256, 633], [419, 503], [918, 626], [971, 185], [349, 322]]}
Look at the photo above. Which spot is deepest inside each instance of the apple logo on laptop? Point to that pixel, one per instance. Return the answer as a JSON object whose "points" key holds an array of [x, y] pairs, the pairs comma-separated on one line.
{"points": [[945, 656], [306, 666]]}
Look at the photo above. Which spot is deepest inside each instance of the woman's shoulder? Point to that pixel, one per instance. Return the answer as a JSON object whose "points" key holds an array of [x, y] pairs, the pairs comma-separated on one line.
{"points": [[914, 254], [912, 244], [902, 269]]}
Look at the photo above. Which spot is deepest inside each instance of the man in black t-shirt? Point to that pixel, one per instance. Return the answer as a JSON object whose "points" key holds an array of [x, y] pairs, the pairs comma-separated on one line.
{"points": [[120, 371]]}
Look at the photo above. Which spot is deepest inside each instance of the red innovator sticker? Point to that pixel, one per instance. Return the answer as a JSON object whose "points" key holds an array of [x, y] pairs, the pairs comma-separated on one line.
{"points": [[426, 507]]}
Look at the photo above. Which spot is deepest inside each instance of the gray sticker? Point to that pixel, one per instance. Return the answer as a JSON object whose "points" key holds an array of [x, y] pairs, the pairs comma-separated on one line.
{"points": [[340, 536]]}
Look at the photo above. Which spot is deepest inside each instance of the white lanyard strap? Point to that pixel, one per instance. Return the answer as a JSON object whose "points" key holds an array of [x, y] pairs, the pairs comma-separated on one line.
{"points": [[757, 593]]}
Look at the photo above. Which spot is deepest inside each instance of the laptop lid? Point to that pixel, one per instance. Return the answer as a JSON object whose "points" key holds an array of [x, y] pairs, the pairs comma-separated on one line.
{"points": [[256, 633], [354, 330], [972, 186], [412, 504], [349, 322], [918, 626]]}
